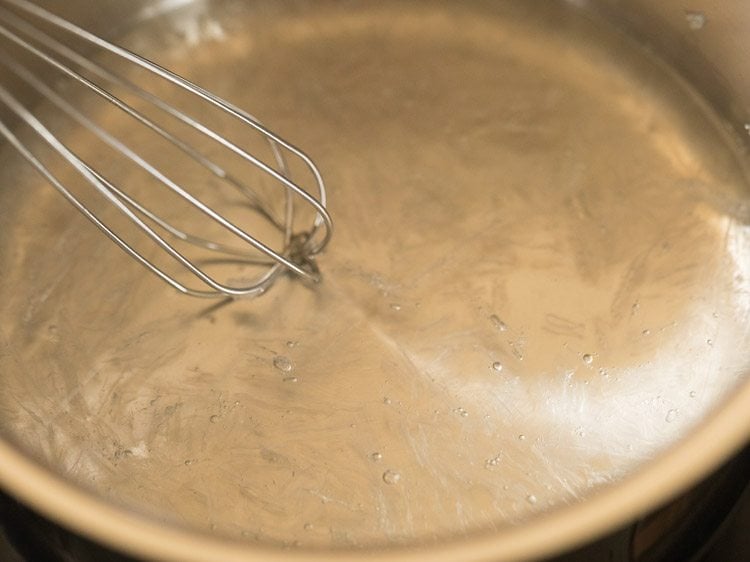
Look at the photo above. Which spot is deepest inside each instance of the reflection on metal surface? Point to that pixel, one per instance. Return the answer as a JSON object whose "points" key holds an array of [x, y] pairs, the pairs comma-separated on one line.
{"points": [[513, 184]]}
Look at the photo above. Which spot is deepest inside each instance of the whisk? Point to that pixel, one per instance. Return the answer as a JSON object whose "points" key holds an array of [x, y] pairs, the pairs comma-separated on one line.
{"points": [[55, 45]]}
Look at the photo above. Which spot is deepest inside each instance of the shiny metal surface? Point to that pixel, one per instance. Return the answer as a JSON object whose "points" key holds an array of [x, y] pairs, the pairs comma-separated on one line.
{"points": [[538, 291], [706, 42], [297, 248]]}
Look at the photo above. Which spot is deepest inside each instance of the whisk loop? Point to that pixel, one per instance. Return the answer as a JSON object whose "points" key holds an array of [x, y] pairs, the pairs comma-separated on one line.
{"points": [[48, 40]]}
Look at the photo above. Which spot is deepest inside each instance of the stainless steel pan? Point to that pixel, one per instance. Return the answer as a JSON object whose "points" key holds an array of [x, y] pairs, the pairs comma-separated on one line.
{"points": [[535, 314]]}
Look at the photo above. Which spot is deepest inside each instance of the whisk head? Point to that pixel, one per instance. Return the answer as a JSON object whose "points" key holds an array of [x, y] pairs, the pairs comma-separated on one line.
{"points": [[169, 171]]}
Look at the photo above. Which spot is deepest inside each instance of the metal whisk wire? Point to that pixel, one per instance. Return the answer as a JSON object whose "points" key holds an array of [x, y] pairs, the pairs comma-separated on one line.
{"points": [[299, 248]]}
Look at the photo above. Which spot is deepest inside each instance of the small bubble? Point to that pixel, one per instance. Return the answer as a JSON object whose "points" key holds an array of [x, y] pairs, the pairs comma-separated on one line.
{"points": [[497, 366], [188, 462], [522, 437], [290, 379], [461, 412], [531, 498], [376, 456], [283, 363], [671, 415], [395, 307], [291, 343], [646, 332], [214, 418], [386, 400], [492, 462], [588, 358], [710, 342], [506, 487], [693, 394], [497, 323], [391, 477], [696, 20], [309, 526]]}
